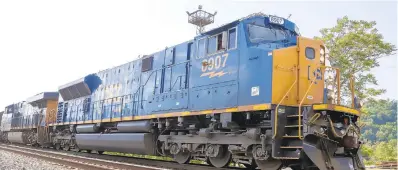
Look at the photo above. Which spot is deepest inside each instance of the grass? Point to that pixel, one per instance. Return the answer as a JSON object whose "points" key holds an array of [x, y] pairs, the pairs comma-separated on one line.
{"points": [[162, 158]]}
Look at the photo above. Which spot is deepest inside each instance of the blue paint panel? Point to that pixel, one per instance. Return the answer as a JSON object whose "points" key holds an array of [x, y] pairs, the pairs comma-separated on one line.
{"points": [[227, 69], [173, 96], [200, 98], [116, 107], [225, 96], [176, 85], [93, 82], [169, 59], [255, 71]]}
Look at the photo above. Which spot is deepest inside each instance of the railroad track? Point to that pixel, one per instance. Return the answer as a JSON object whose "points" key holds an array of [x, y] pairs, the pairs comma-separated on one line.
{"points": [[82, 160]]}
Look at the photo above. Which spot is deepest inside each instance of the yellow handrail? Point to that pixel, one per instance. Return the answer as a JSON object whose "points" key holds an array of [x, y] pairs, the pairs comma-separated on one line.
{"points": [[338, 85], [301, 103], [280, 102], [352, 92]]}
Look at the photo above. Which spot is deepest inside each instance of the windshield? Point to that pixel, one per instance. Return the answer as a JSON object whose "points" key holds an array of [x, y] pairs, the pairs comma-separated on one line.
{"points": [[260, 33]]}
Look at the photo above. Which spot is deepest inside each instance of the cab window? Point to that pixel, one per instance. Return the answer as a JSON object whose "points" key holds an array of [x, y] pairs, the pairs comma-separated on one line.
{"points": [[309, 53], [215, 43], [212, 44], [201, 48], [232, 38]]}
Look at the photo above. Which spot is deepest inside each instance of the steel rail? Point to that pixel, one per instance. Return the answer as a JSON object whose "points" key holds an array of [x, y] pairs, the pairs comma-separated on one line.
{"points": [[73, 160], [110, 159]]}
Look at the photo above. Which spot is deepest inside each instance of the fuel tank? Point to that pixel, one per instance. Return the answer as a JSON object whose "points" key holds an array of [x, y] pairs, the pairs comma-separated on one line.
{"points": [[142, 126], [139, 143], [90, 128], [16, 137]]}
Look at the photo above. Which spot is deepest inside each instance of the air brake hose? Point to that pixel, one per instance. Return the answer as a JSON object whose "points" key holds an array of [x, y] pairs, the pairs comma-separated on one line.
{"points": [[345, 133]]}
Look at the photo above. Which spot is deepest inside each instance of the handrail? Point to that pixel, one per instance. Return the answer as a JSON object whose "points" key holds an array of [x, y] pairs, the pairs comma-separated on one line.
{"points": [[338, 81], [352, 92], [309, 88], [133, 95], [301, 102], [280, 102]]}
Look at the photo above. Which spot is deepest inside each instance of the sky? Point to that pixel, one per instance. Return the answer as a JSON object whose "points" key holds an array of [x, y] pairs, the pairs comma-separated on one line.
{"points": [[45, 43]]}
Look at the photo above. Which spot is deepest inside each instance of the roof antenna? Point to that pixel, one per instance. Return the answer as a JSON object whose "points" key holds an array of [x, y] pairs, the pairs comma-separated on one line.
{"points": [[289, 16], [200, 18]]}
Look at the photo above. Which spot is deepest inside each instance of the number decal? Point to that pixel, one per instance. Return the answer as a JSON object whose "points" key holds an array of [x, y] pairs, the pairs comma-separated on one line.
{"points": [[225, 59], [204, 65], [315, 73], [211, 64], [276, 20], [217, 62], [214, 63]]}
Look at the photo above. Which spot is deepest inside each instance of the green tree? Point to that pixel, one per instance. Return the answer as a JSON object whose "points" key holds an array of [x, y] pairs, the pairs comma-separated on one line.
{"points": [[386, 151], [379, 117], [355, 47], [387, 131]]}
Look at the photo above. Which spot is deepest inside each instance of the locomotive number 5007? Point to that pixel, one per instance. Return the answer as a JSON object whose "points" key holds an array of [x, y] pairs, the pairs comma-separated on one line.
{"points": [[214, 63]]}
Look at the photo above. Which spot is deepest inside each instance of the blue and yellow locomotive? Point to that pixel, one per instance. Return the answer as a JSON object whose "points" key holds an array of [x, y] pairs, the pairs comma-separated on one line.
{"points": [[251, 92]]}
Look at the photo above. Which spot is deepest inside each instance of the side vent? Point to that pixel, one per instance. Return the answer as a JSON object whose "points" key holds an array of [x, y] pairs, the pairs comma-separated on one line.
{"points": [[147, 64]]}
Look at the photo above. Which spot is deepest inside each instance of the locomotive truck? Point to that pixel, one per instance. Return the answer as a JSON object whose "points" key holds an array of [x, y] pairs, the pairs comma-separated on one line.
{"points": [[253, 91]]}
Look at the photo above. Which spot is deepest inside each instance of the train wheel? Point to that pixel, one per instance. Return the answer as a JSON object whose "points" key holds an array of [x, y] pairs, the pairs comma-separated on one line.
{"points": [[179, 155], [57, 146], [253, 165], [76, 149], [269, 164], [66, 147], [208, 161], [219, 156], [182, 157]]}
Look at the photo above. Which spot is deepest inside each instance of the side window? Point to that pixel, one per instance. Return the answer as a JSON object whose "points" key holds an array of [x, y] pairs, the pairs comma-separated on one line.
{"points": [[147, 64], [201, 48], [309, 53], [232, 38], [219, 42], [211, 47]]}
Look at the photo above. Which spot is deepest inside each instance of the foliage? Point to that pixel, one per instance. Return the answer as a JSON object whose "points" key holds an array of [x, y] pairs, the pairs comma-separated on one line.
{"points": [[380, 152], [355, 47], [380, 120], [380, 131]]}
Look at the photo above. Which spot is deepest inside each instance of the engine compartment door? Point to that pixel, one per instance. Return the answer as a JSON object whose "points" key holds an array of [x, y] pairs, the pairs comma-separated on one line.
{"points": [[310, 83]]}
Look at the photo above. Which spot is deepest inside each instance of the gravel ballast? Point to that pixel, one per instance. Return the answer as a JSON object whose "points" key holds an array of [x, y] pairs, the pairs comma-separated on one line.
{"points": [[13, 161]]}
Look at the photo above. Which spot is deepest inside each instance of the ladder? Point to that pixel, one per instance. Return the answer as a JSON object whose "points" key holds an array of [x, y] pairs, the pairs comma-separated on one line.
{"points": [[60, 112], [289, 124]]}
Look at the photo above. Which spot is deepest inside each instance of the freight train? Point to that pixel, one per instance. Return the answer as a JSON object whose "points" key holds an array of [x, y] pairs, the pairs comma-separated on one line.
{"points": [[252, 91]]}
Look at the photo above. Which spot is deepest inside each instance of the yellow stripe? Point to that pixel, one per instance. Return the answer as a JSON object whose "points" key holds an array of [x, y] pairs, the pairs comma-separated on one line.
{"points": [[88, 121], [185, 113], [336, 108], [127, 118], [96, 121], [116, 119], [235, 109], [207, 112], [106, 120], [262, 107], [347, 110], [320, 107]]}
